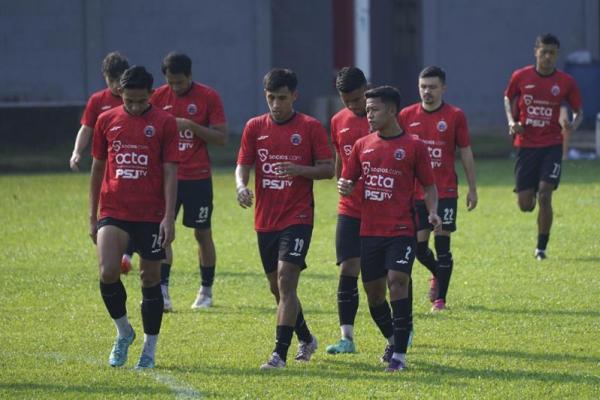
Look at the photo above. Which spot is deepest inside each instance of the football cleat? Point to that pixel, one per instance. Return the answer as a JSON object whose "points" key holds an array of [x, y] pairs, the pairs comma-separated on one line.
{"points": [[343, 346], [387, 353], [438, 305], [306, 350], [118, 354], [274, 362], [202, 301], [395, 366], [540, 255], [168, 306], [125, 264], [145, 362], [433, 289]]}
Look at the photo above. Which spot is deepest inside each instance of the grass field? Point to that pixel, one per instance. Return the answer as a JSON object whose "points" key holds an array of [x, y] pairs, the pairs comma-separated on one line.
{"points": [[515, 328]]}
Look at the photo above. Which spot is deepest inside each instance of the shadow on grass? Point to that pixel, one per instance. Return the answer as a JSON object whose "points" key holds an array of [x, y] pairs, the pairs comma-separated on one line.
{"points": [[29, 387], [535, 312], [595, 260]]}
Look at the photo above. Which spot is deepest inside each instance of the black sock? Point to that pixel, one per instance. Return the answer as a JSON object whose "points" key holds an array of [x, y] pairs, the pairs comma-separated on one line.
{"points": [[165, 272], [283, 340], [426, 257], [114, 297], [402, 315], [445, 264], [130, 248], [382, 316], [152, 309], [410, 303], [543, 241], [208, 275], [347, 298], [301, 328]]}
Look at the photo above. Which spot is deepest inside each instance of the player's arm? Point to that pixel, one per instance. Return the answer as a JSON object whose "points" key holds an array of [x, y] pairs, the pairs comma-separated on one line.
{"points": [[514, 127], [167, 225], [97, 173], [322, 169], [431, 203], [468, 163], [215, 134], [242, 177], [83, 138], [574, 124], [338, 165]]}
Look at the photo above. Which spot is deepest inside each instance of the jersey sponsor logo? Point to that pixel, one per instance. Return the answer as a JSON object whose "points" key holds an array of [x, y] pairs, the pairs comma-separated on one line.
{"points": [[132, 158], [555, 90], [192, 109], [149, 131], [277, 184], [417, 123], [344, 130], [131, 165], [262, 154], [116, 145], [442, 126], [296, 139], [262, 137], [347, 149], [435, 154], [115, 128], [186, 140], [167, 107], [378, 187], [527, 99], [106, 107], [399, 154]]}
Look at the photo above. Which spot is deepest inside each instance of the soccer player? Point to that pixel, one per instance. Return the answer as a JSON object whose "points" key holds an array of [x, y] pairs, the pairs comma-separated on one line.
{"points": [[443, 128], [132, 199], [288, 150], [201, 121], [347, 126], [532, 104], [389, 162]]}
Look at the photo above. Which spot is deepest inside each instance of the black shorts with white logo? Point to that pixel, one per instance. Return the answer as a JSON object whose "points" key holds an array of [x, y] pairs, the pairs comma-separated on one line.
{"points": [[447, 210], [347, 238], [196, 196], [537, 164], [143, 236], [379, 254], [289, 245]]}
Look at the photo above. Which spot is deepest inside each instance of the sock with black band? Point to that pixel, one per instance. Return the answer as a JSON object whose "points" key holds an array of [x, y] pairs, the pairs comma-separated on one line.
{"points": [[426, 257], [283, 339], [543, 241], [115, 298], [165, 273], [401, 312], [152, 309], [347, 298], [445, 265], [301, 328], [382, 316], [207, 276]]}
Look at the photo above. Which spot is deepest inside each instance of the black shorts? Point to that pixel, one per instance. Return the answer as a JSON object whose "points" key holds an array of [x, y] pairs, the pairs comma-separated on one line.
{"points": [[537, 164], [143, 237], [289, 245], [347, 238], [447, 210], [380, 254], [196, 196]]}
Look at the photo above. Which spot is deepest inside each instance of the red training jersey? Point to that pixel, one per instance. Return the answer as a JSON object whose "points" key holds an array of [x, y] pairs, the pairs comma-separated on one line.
{"points": [[282, 202], [99, 102], [442, 130], [538, 104], [389, 167], [202, 105], [346, 129], [135, 148]]}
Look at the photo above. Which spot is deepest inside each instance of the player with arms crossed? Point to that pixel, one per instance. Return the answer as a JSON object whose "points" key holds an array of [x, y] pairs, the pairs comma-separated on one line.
{"points": [[389, 162], [201, 121], [132, 199], [288, 150], [532, 104], [443, 128]]}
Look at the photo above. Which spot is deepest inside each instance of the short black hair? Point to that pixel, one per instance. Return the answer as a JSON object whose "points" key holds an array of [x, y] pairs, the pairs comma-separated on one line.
{"points": [[349, 79], [547, 39], [433, 72], [114, 64], [387, 94], [176, 63], [278, 78], [136, 77]]}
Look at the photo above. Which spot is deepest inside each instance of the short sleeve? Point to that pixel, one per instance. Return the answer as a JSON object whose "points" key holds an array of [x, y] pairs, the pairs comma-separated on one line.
{"points": [[462, 130]]}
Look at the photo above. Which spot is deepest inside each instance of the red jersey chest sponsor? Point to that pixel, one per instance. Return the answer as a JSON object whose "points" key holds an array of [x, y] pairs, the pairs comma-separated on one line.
{"points": [[98, 103], [135, 148], [389, 167], [202, 105], [282, 201], [538, 105], [441, 130], [346, 129]]}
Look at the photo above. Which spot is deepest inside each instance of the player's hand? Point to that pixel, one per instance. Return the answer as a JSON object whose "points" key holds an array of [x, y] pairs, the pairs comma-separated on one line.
{"points": [[74, 161], [436, 221], [471, 200], [515, 128], [182, 124], [345, 186], [93, 230], [166, 232], [245, 197], [288, 169]]}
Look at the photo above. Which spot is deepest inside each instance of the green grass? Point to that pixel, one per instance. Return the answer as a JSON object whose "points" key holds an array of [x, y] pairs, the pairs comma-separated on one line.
{"points": [[516, 328]]}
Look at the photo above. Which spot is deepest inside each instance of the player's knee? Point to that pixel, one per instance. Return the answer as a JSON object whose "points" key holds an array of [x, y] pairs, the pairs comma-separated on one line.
{"points": [[398, 286], [203, 236], [526, 204], [149, 278], [545, 198], [423, 251], [375, 298], [350, 267], [109, 275]]}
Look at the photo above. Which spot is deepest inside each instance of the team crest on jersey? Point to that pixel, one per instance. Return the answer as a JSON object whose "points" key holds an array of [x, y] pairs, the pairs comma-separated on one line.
{"points": [[555, 90], [442, 126], [116, 145], [399, 154], [192, 109], [296, 139], [149, 131]]}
